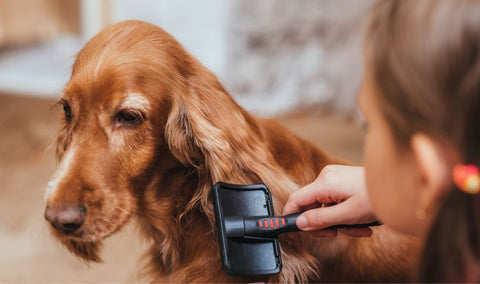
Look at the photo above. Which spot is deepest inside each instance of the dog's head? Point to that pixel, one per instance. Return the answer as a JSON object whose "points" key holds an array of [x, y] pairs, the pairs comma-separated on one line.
{"points": [[137, 106]]}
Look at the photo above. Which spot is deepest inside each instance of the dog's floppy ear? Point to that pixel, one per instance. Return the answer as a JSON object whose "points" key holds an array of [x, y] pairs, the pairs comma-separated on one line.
{"points": [[208, 131], [205, 125]]}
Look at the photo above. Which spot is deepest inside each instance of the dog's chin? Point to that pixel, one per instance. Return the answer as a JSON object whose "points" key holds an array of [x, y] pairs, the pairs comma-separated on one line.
{"points": [[88, 251], [79, 244], [86, 243]]}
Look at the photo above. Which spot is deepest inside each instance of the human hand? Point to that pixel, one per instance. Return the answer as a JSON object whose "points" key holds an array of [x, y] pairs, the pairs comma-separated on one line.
{"points": [[337, 196]]}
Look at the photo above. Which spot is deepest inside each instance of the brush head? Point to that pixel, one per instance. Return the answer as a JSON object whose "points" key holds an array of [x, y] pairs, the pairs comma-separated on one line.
{"points": [[243, 256]]}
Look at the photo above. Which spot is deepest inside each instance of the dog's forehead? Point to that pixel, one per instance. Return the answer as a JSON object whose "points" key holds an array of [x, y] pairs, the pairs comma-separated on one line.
{"points": [[108, 98], [91, 92], [104, 81]]}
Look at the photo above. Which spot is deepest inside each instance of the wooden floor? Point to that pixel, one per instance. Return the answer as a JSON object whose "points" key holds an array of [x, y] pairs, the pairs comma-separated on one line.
{"points": [[27, 251]]}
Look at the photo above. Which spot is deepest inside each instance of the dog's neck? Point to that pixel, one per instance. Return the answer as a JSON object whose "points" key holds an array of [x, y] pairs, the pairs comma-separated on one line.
{"points": [[175, 225]]}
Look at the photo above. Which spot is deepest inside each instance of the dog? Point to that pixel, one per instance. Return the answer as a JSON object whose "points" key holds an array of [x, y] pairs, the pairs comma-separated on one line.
{"points": [[145, 132]]}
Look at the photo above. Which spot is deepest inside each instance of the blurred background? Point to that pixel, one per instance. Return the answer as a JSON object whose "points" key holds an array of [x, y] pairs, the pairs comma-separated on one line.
{"points": [[297, 61]]}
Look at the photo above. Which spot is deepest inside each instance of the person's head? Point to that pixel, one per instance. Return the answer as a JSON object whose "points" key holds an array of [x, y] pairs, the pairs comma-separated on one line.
{"points": [[421, 101]]}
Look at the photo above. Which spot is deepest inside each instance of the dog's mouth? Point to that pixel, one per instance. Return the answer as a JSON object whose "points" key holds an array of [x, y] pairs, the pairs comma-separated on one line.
{"points": [[92, 229], [82, 224], [85, 233], [85, 241], [60, 231]]}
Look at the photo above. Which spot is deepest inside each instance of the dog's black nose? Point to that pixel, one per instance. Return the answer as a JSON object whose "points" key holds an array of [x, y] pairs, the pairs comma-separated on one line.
{"points": [[66, 218]]}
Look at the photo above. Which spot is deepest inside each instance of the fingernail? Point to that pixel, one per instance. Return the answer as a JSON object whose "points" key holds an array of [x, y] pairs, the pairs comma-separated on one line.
{"points": [[302, 222]]}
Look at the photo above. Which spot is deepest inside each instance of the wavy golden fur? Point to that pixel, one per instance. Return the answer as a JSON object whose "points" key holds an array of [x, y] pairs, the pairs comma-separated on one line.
{"points": [[147, 130]]}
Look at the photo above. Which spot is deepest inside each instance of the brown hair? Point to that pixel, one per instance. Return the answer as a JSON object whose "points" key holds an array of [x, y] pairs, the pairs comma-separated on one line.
{"points": [[425, 60]]}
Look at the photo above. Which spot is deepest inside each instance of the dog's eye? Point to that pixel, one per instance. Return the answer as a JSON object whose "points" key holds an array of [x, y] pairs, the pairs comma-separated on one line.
{"points": [[68, 111], [128, 118]]}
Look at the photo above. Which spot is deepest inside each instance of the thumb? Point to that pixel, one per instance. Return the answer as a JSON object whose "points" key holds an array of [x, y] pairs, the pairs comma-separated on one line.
{"points": [[320, 218]]}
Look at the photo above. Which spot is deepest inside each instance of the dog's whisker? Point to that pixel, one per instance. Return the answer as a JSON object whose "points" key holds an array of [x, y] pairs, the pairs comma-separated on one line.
{"points": [[121, 209]]}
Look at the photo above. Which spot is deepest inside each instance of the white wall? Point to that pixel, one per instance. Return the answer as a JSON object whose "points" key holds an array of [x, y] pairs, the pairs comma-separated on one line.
{"points": [[200, 26], [43, 70], [273, 56]]}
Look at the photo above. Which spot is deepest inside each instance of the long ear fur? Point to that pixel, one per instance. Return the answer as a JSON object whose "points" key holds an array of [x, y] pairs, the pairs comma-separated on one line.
{"points": [[207, 130]]}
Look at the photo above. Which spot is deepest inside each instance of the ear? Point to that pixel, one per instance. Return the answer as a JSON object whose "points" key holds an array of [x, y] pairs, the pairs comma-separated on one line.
{"points": [[179, 135], [205, 126], [207, 130], [434, 161]]}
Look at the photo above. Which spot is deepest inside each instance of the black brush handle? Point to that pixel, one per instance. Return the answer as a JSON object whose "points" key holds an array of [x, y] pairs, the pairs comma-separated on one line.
{"points": [[354, 226], [264, 227]]}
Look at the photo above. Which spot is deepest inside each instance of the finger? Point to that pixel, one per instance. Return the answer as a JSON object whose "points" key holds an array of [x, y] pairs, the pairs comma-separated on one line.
{"points": [[323, 217], [291, 210], [357, 232], [293, 205], [313, 193], [311, 206]]}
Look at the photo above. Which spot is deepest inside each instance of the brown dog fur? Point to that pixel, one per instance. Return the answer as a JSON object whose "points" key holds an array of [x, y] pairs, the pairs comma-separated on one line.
{"points": [[191, 134]]}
